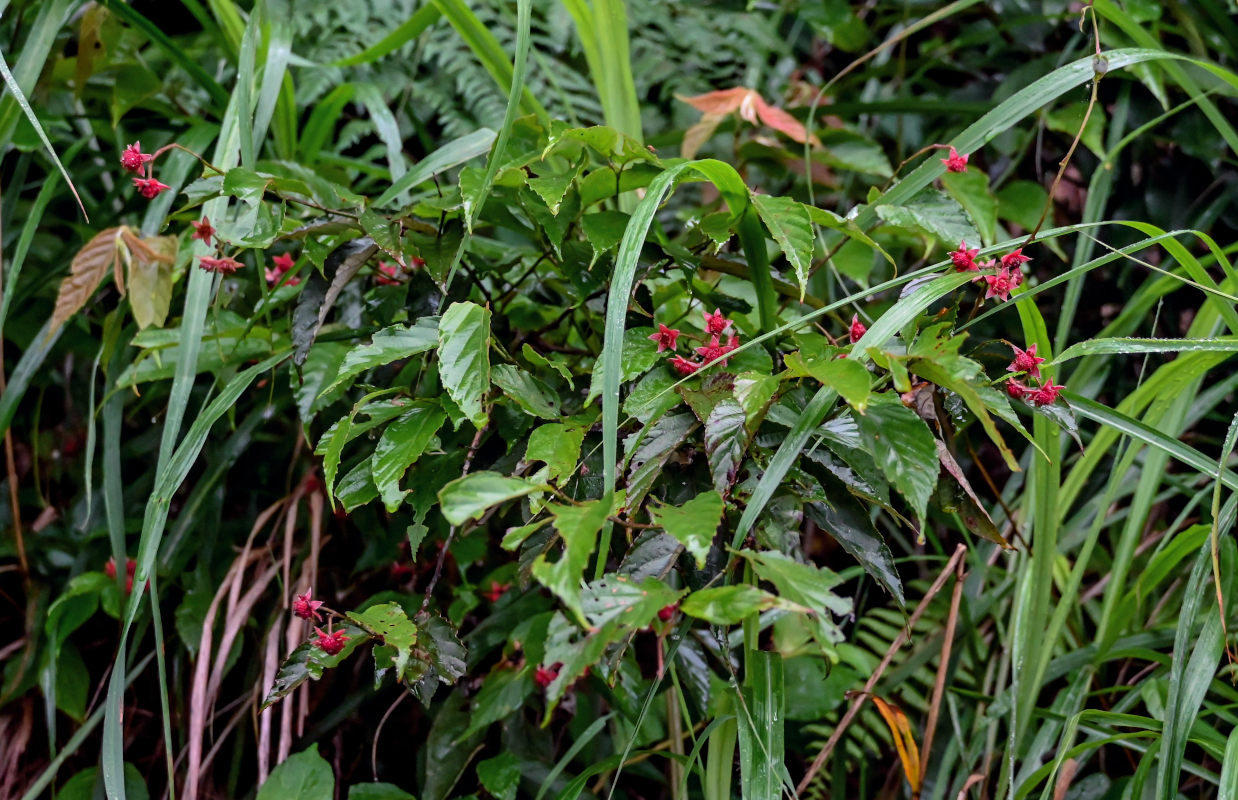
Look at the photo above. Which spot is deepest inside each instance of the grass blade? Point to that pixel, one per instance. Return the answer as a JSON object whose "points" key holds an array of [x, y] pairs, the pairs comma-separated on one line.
{"points": [[452, 154], [20, 97], [411, 28]]}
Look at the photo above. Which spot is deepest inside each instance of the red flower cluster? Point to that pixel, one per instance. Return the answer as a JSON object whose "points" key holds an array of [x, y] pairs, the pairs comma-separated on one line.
{"points": [[956, 162], [496, 591], [135, 161], [857, 329], [666, 613], [330, 643], [544, 676], [203, 230], [305, 607], [388, 274], [1000, 285], [222, 264], [715, 325], [283, 265], [130, 566], [1026, 361]]}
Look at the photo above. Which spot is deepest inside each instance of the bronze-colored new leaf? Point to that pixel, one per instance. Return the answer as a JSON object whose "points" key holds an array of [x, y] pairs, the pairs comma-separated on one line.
{"points": [[85, 274], [751, 107]]}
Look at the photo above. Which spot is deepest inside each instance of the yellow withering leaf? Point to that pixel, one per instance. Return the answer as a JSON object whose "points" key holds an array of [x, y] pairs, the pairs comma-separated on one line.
{"points": [[904, 741], [150, 277], [86, 272]]}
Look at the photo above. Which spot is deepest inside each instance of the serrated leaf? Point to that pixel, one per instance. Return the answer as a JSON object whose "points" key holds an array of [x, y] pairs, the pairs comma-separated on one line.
{"points": [[464, 358], [307, 662], [447, 654], [387, 621], [551, 187], [693, 524], [603, 230], [649, 450], [619, 601], [558, 445], [849, 524], [806, 586], [726, 438], [791, 227], [357, 487], [472, 495], [390, 344], [903, 447], [384, 235], [87, 270], [934, 213], [401, 444], [971, 190], [578, 527]]}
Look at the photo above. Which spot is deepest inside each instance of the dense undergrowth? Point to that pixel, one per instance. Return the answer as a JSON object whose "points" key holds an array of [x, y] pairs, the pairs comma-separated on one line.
{"points": [[618, 399]]}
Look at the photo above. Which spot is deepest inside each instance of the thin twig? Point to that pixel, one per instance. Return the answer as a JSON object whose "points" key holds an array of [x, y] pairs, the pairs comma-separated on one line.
{"points": [[939, 686], [864, 693], [442, 554]]}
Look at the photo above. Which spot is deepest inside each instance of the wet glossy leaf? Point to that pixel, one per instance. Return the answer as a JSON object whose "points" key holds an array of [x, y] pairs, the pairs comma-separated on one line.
{"points": [[471, 496], [558, 445], [726, 438], [402, 443], [534, 397], [390, 344], [903, 447], [464, 358], [934, 213]]}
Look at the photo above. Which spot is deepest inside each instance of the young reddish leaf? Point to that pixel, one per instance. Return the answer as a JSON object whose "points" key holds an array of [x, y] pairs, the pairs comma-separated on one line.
{"points": [[723, 101], [86, 272]]}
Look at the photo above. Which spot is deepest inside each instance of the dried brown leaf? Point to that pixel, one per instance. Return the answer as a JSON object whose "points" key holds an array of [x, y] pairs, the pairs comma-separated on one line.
{"points": [[86, 272]]}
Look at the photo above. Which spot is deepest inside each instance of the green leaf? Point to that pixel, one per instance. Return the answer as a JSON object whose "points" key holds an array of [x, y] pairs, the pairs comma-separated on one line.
{"points": [[846, 376], [726, 437], [534, 397], [464, 358], [388, 345], [305, 776], [638, 355], [852, 151], [1133, 346], [649, 450], [933, 213], [557, 444], [604, 230], [471, 496], [308, 662], [727, 605], [694, 524], [378, 791], [971, 190], [150, 283], [807, 586], [606, 142], [791, 227], [616, 600], [503, 692], [500, 776], [381, 231], [849, 524], [1022, 202], [388, 622], [903, 447], [578, 527], [552, 186], [401, 444]]}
